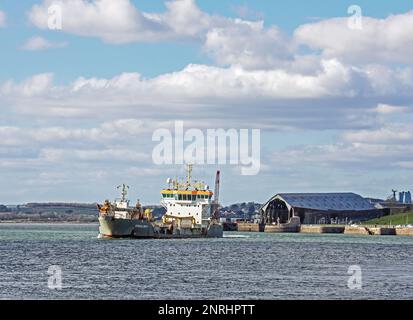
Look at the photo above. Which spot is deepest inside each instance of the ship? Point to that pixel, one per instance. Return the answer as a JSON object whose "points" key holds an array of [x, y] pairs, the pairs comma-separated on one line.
{"points": [[192, 211], [118, 219]]}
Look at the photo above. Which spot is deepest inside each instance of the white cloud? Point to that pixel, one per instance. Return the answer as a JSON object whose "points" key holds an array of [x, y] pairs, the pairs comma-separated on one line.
{"points": [[145, 171], [335, 97], [244, 11], [229, 41], [236, 41], [389, 109], [347, 157], [110, 132], [40, 43], [388, 147], [34, 85], [248, 44], [113, 21], [2, 19], [391, 134], [93, 155], [405, 164], [380, 40], [121, 22], [198, 81]]}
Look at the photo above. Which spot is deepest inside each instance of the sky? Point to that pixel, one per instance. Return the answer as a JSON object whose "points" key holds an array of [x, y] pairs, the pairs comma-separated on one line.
{"points": [[329, 88]]}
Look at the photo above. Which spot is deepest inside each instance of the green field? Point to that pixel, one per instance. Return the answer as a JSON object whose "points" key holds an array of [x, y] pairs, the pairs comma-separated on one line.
{"points": [[394, 219]]}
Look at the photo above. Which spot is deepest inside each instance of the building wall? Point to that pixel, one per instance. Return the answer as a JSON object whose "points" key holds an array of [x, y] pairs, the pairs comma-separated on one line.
{"points": [[308, 216], [280, 210], [311, 216]]}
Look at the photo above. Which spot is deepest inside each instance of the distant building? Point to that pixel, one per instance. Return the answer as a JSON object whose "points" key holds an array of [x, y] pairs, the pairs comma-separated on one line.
{"points": [[405, 197], [401, 197], [315, 208], [408, 198]]}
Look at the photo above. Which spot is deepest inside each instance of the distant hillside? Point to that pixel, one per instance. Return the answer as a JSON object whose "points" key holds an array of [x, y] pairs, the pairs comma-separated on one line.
{"points": [[53, 212], [58, 212], [88, 212], [244, 210]]}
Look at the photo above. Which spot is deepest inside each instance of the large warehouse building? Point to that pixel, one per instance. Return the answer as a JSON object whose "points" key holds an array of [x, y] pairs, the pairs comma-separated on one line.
{"points": [[313, 208]]}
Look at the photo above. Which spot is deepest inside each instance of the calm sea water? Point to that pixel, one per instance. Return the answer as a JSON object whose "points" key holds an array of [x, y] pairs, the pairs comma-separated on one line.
{"points": [[239, 266]]}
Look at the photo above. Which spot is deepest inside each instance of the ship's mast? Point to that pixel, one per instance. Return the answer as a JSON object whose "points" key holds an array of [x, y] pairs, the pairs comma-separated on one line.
{"points": [[124, 191], [189, 175]]}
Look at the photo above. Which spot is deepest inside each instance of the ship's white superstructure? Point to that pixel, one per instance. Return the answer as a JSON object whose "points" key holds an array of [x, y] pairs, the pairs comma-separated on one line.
{"points": [[187, 202]]}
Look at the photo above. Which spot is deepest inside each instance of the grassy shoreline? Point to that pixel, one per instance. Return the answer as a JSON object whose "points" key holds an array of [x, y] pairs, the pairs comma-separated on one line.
{"points": [[393, 219]]}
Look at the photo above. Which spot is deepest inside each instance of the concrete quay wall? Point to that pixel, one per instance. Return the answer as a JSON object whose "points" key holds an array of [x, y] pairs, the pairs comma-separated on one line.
{"points": [[404, 231], [362, 230], [248, 227], [383, 231], [321, 229]]}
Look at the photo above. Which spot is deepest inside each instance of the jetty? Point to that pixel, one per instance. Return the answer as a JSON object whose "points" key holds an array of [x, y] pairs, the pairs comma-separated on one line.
{"points": [[344, 229]]}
